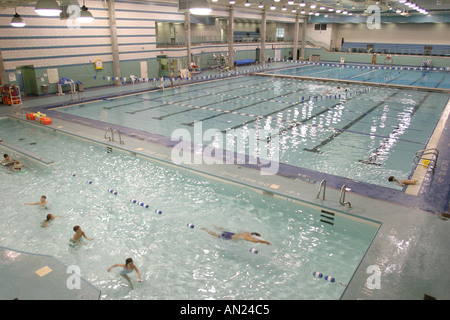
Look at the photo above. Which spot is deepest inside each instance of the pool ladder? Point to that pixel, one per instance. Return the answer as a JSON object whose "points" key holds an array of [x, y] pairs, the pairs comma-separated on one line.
{"points": [[323, 186], [113, 134], [432, 160]]}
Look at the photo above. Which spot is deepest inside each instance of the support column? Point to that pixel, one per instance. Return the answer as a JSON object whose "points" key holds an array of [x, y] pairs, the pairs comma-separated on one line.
{"points": [[263, 38], [305, 21], [187, 30], [296, 27], [231, 37], [3, 77], [114, 43]]}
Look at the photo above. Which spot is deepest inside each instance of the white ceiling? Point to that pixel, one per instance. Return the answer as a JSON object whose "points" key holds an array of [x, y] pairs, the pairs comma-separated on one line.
{"points": [[356, 6]]}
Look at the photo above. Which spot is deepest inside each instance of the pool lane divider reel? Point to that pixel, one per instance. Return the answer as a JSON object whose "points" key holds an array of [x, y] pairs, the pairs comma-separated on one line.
{"points": [[116, 193]]}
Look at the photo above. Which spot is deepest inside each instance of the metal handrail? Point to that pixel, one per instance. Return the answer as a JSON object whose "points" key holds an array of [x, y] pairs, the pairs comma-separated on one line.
{"points": [[112, 134], [419, 156], [120, 136], [323, 184], [342, 197]]}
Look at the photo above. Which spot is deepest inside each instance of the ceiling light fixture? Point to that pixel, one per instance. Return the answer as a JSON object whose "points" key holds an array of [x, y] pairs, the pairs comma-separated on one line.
{"points": [[199, 7], [48, 8], [17, 21], [85, 16]]}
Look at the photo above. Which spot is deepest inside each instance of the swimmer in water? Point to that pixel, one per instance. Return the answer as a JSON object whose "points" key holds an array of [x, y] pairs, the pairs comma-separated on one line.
{"points": [[11, 163], [42, 202], [49, 218], [226, 235], [78, 236], [403, 182], [128, 267]]}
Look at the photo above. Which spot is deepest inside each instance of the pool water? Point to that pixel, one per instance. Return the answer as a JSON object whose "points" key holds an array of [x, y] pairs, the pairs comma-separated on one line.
{"points": [[176, 262], [313, 125], [376, 74]]}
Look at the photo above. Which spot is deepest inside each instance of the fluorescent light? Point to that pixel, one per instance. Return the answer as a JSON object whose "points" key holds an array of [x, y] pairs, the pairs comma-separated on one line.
{"points": [[48, 8]]}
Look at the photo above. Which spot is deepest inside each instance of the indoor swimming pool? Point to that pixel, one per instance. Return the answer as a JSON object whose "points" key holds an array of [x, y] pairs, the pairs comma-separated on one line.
{"points": [[359, 132], [406, 76], [91, 185]]}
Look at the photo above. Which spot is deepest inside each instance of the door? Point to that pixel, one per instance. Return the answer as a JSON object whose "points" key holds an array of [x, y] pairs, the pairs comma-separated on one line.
{"points": [[144, 69], [28, 80], [277, 54]]}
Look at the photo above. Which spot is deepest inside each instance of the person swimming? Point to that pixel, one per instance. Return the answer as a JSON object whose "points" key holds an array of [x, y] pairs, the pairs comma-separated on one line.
{"points": [[402, 182], [227, 235], [49, 218], [42, 202]]}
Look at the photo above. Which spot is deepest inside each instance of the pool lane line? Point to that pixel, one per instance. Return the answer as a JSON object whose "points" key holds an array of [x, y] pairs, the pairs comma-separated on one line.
{"points": [[338, 132], [198, 107], [174, 102], [246, 106], [285, 130], [171, 95], [385, 145]]}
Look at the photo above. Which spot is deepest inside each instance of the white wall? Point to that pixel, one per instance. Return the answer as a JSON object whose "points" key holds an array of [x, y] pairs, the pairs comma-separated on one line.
{"points": [[418, 33]]}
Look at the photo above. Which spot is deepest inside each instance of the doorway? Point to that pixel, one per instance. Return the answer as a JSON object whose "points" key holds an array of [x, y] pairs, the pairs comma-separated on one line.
{"points": [[26, 76]]}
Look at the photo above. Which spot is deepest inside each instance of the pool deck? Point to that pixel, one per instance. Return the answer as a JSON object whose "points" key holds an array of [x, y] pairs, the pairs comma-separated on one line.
{"points": [[410, 248], [29, 276]]}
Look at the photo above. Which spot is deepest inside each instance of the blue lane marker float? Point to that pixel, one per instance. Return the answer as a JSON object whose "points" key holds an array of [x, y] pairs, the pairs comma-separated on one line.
{"points": [[116, 193]]}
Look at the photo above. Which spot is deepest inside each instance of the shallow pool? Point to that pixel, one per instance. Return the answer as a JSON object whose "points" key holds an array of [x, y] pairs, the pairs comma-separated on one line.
{"points": [[176, 262]]}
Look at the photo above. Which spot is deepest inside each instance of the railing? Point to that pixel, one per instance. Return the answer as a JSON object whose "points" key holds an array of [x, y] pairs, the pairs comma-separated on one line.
{"points": [[113, 133], [342, 197], [427, 162], [323, 186], [120, 136]]}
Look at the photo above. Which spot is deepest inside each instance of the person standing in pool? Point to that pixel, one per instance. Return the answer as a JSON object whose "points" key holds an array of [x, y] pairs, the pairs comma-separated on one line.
{"points": [[128, 267], [11, 163], [42, 202], [226, 235], [78, 236]]}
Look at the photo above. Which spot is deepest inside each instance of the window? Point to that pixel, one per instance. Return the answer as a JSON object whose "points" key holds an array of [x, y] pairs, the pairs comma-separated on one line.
{"points": [[320, 26], [280, 33]]}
